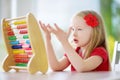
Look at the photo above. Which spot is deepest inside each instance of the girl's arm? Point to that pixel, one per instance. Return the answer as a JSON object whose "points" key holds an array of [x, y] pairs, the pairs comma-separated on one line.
{"points": [[80, 64], [54, 63]]}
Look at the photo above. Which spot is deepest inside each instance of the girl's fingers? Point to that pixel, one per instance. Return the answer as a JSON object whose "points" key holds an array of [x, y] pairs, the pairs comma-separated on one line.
{"points": [[56, 26], [51, 29], [43, 26], [40, 23], [48, 27]]}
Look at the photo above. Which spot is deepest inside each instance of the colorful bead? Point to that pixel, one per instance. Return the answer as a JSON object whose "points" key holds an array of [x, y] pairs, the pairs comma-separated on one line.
{"points": [[17, 47], [22, 64], [12, 38], [18, 51], [25, 37], [14, 42], [23, 32], [22, 26], [19, 22]]}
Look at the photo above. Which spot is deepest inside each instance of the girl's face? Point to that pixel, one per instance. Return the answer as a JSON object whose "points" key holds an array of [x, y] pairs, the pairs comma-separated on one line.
{"points": [[81, 32]]}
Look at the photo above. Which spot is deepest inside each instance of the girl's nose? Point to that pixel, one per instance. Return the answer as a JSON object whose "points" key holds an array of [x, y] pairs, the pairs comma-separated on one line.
{"points": [[75, 33]]}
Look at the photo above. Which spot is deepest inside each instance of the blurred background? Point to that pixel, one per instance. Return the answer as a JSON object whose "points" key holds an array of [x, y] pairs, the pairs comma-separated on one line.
{"points": [[60, 12]]}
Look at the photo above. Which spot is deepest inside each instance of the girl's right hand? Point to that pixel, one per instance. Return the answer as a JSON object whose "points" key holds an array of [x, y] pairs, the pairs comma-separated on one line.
{"points": [[45, 29]]}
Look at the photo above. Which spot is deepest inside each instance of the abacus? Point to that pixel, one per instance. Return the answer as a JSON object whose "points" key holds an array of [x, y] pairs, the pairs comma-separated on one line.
{"points": [[24, 45]]}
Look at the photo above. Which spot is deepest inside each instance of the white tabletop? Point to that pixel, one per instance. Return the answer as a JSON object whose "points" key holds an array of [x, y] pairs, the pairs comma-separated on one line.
{"points": [[65, 75]]}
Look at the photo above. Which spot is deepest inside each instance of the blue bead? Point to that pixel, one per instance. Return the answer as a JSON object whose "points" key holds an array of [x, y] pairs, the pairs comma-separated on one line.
{"points": [[28, 41], [16, 46], [14, 42]]}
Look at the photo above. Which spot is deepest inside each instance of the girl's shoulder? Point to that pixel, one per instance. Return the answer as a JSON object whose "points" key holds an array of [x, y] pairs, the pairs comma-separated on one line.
{"points": [[99, 49]]}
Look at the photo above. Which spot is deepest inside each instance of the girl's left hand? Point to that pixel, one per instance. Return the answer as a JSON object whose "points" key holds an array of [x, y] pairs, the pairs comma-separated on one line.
{"points": [[60, 34]]}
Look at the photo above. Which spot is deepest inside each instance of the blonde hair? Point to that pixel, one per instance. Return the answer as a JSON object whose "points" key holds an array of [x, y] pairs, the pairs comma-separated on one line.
{"points": [[98, 37]]}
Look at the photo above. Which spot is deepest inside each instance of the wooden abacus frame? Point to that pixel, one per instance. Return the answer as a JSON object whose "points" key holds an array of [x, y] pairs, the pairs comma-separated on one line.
{"points": [[38, 61]]}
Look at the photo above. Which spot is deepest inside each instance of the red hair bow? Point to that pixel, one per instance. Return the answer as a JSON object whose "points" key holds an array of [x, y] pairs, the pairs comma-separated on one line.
{"points": [[91, 20]]}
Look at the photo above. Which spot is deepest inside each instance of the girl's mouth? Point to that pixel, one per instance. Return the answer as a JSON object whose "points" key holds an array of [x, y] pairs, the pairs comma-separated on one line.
{"points": [[75, 41]]}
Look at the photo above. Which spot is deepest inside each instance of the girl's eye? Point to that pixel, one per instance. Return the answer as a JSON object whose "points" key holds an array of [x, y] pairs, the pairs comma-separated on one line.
{"points": [[79, 29]]}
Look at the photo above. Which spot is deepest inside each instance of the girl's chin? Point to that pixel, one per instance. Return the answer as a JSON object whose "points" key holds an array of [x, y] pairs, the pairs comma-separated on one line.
{"points": [[76, 45]]}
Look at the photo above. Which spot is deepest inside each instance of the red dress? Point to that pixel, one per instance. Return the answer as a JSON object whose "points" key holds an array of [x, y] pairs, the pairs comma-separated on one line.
{"points": [[99, 51]]}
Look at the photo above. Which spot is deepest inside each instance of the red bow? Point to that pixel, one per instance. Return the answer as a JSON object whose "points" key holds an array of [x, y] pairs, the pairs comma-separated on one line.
{"points": [[91, 20]]}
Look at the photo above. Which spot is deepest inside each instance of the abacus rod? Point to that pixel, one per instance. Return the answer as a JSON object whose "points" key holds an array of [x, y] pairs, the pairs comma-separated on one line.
{"points": [[15, 19]]}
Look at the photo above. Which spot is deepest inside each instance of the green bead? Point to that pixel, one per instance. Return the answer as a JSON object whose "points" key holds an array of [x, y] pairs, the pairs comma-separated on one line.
{"points": [[12, 38], [21, 64], [25, 36]]}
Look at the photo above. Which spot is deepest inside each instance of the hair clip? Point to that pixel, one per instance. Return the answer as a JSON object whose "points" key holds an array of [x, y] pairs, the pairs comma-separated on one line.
{"points": [[91, 20]]}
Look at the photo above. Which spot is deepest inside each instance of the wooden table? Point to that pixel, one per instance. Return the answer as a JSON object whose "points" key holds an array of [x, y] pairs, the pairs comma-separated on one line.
{"points": [[65, 75]]}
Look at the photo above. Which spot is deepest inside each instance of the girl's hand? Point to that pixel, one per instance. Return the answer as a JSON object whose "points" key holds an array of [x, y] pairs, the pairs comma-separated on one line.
{"points": [[46, 30], [60, 34]]}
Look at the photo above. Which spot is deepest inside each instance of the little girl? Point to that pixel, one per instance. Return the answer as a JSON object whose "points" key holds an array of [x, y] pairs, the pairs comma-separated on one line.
{"points": [[90, 52]]}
